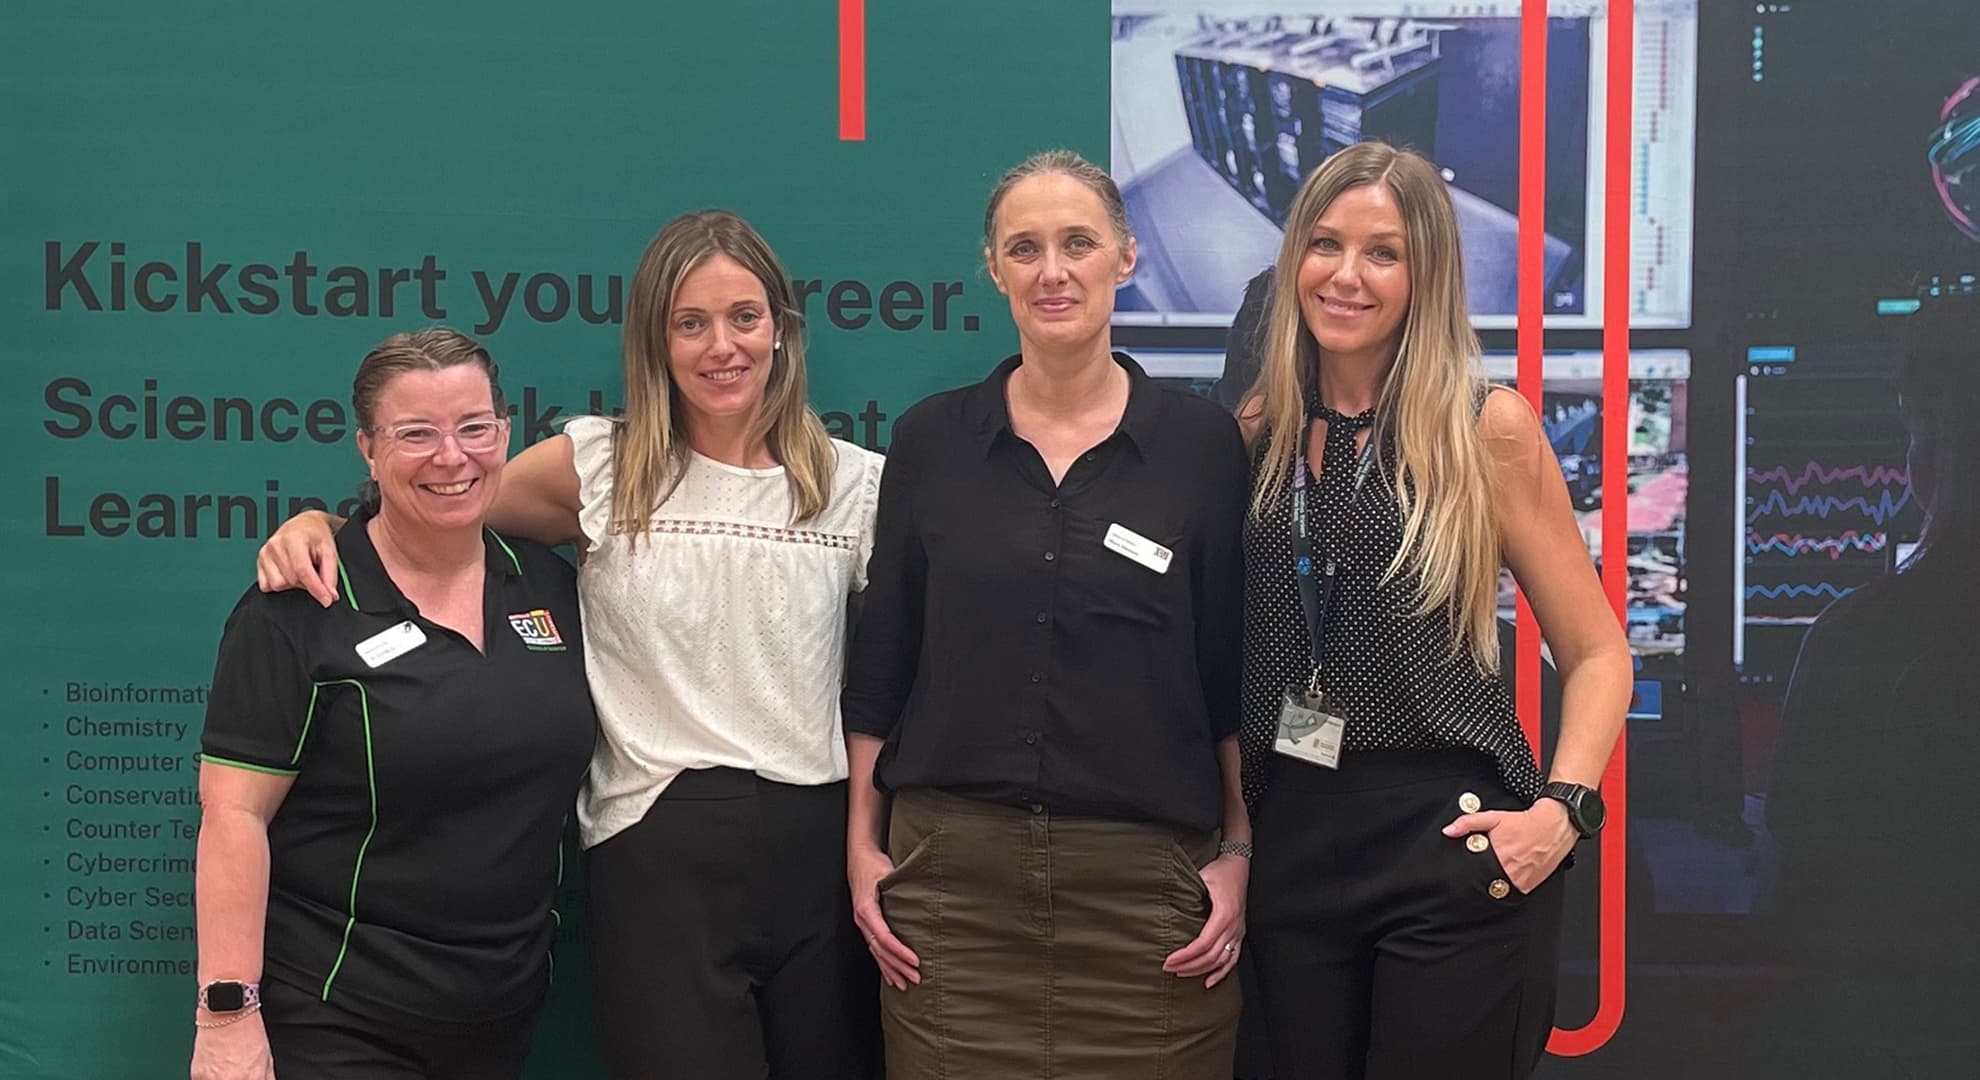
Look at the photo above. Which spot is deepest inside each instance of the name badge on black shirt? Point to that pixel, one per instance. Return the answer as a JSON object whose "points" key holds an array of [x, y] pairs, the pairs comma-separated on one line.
{"points": [[389, 644], [1125, 541]]}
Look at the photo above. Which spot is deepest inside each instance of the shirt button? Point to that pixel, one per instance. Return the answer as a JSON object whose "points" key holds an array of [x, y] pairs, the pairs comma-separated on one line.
{"points": [[1050, 555], [1498, 890], [1031, 738], [1037, 676], [1040, 618], [1055, 504]]}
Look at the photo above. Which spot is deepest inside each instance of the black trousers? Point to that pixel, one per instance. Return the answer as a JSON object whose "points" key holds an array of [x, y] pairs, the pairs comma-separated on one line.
{"points": [[723, 944], [1380, 948], [312, 1039]]}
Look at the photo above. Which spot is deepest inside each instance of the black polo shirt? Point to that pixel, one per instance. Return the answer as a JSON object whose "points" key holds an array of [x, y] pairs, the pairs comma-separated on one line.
{"points": [[415, 859], [1005, 651]]}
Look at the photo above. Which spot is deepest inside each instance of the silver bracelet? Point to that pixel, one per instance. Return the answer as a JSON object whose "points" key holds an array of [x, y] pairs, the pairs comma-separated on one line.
{"points": [[1240, 848]]}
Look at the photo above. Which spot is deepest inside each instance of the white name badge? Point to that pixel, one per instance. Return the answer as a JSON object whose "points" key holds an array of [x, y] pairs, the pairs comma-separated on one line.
{"points": [[1309, 730], [388, 644], [1125, 541]]}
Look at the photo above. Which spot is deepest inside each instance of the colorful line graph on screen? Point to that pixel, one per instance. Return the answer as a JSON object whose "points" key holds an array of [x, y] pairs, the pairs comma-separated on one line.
{"points": [[1824, 495], [1816, 529], [1817, 473], [1821, 589], [1881, 508], [1795, 545]]}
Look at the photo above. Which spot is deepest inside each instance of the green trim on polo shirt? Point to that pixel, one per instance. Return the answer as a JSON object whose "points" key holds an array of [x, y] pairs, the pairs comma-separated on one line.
{"points": [[309, 717], [371, 782], [295, 758], [517, 563], [557, 919], [349, 593], [249, 766]]}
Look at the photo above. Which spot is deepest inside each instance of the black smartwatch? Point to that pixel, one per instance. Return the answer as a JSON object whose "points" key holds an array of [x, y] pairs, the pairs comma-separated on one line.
{"points": [[1584, 806], [226, 996]]}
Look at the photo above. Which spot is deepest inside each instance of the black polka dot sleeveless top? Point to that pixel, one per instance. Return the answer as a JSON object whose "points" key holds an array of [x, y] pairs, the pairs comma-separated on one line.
{"points": [[1391, 672]]}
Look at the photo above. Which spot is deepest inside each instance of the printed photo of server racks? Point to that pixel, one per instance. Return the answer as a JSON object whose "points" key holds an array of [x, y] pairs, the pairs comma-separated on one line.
{"points": [[1218, 116]]}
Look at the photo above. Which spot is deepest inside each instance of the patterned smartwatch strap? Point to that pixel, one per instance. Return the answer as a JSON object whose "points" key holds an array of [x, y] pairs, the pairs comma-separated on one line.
{"points": [[1240, 848], [250, 994]]}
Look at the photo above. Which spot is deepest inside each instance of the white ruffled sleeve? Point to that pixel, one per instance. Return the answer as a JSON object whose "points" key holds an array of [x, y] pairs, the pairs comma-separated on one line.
{"points": [[869, 505], [591, 452]]}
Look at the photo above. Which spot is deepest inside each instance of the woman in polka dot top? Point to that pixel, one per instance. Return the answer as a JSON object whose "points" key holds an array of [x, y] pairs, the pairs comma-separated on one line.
{"points": [[1406, 893]]}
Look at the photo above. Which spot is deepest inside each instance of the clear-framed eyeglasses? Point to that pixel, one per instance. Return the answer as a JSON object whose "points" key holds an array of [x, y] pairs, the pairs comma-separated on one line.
{"points": [[424, 440]]}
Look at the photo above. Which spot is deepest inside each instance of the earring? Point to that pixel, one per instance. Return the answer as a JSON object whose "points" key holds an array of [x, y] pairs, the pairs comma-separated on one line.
{"points": [[778, 346]]}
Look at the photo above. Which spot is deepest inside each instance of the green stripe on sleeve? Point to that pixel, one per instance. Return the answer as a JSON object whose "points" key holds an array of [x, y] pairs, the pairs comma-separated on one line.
{"points": [[248, 765]]}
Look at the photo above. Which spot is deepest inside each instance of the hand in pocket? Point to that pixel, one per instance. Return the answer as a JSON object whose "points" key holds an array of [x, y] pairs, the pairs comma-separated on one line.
{"points": [[1529, 843]]}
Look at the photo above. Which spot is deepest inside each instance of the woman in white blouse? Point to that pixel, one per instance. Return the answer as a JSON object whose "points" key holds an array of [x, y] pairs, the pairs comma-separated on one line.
{"points": [[721, 533]]}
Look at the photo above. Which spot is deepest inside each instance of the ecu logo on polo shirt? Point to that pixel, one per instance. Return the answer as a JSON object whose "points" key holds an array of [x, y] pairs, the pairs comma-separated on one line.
{"points": [[537, 630]]}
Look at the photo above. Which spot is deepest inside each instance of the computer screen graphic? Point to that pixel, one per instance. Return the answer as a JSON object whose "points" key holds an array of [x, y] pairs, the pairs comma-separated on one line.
{"points": [[1220, 110]]}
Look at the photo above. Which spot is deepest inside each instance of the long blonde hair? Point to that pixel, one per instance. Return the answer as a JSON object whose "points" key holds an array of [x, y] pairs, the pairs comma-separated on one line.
{"points": [[1427, 404], [649, 446]]}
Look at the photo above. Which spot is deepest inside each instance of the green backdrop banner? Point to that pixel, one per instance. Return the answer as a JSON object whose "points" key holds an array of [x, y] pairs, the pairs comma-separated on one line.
{"points": [[207, 217], [209, 213]]}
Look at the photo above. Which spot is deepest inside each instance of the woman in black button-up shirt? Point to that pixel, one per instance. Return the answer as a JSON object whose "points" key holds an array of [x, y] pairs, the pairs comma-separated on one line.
{"points": [[1045, 682]]}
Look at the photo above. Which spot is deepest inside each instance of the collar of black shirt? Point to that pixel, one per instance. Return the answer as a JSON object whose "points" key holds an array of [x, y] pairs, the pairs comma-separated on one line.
{"points": [[366, 587], [990, 412]]}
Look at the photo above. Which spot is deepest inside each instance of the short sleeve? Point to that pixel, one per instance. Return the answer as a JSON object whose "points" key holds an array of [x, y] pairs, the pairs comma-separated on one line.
{"points": [[258, 709], [869, 513], [591, 453]]}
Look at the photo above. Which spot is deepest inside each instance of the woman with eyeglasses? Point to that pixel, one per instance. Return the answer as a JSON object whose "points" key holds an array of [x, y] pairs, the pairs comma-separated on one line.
{"points": [[384, 781]]}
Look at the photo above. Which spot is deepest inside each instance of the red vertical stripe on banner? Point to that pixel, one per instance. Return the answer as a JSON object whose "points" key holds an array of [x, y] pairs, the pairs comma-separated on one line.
{"points": [[852, 70], [1530, 304], [1617, 192]]}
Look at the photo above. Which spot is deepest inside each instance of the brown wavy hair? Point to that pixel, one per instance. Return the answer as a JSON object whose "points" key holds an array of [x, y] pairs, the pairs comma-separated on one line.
{"points": [[649, 444]]}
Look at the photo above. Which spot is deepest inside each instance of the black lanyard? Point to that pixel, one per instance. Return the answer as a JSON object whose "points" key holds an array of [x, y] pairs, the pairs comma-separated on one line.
{"points": [[1315, 572]]}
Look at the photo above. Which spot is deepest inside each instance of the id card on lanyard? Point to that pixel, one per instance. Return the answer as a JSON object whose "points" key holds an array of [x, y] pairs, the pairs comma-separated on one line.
{"points": [[1311, 727]]}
